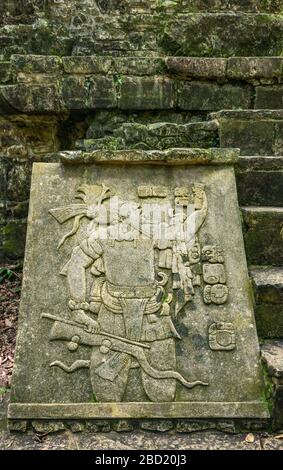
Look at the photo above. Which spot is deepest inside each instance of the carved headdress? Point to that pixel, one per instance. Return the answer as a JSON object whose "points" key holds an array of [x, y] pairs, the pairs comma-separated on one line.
{"points": [[92, 196]]}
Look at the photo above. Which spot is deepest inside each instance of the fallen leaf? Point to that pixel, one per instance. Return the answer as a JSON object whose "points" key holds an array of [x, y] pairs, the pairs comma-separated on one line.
{"points": [[250, 438], [280, 436]]}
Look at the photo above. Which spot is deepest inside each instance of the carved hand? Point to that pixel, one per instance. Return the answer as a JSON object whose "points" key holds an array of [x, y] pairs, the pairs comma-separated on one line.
{"points": [[79, 315]]}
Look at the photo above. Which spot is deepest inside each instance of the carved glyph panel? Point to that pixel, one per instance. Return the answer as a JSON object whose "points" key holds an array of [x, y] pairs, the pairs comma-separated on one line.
{"points": [[137, 292]]}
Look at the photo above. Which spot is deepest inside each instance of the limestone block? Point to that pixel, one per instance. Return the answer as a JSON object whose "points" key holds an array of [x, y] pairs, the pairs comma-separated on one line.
{"points": [[248, 68], [32, 99], [36, 64], [269, 97], [131, 318], [5, 72], [209, 96], [203, 68], [12, 239], [223, 35], [263, 235], [258, 132], [268, 285], [146, 93], [85, 93], [269, 320], [255, 177]]}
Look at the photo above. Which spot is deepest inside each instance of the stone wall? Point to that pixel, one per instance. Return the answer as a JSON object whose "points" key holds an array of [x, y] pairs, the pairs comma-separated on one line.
{"points": [[89, 75]]}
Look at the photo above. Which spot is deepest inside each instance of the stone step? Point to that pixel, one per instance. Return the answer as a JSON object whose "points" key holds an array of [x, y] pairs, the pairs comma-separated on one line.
{"points": [[260, 181], [268, 284], [200, 34], [268, 292], [51, 84], [272, 358], [27, 11], [255, 132], [263, 234]]}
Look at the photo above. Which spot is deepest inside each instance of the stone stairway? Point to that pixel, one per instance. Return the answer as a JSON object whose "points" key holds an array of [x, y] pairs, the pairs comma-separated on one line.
{"points": [[86, 75]]}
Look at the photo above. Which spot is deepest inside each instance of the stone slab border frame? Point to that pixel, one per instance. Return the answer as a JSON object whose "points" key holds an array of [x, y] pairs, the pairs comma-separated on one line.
{"points": [[143, 410]]}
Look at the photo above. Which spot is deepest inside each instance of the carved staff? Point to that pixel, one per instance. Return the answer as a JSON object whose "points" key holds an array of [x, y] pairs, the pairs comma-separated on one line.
{"points": [[118, 344]]}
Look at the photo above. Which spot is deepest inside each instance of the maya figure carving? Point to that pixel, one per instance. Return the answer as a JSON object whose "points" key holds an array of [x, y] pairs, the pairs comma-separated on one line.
{"points": [[126, 286]]}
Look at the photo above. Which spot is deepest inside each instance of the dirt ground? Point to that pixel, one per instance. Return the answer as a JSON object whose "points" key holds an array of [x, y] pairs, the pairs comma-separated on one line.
{"points": [[10, 288]]}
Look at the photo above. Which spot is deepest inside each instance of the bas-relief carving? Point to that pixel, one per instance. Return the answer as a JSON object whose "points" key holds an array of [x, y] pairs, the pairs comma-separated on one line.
{"points": [[222, 337], [139, 285]]}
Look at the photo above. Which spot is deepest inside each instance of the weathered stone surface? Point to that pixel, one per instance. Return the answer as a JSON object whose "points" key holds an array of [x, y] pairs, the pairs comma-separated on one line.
{"points": [[223, 35], [269, 97], [146, 93], [17, 425], [253, 137], [278, 408], [272, 355], [34, 98], [139, 66], [12, 239], [255, 70], [86, 93], [23, 136], [263, 235], [87, 65], [123, 425], [47, 427], [5, 72], [159, 135], [204, 68], [268, 288], [269, 320], [28, 11], [14, 181], [162, 425], [255, 132], [169, 157], [250, 68], [215, 275], [41, 38], [76, 426], [255, 178], [268, 284], [36, 64], [209, 96], [249, 115]]}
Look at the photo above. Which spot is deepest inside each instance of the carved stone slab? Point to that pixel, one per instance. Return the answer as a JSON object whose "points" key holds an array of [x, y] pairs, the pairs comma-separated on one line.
{"points": [[136, 300]]}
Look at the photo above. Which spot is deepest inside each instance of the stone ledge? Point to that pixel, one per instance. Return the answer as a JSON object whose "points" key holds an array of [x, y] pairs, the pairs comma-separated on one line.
{"points": [[249, 114], [255, 176], [260, 163], [272, 356], [269, 320], [268, 289], [189, 34], [233, 68], [268, 284], [263, 235], [134, 410], [255, 132], [174, 156]]}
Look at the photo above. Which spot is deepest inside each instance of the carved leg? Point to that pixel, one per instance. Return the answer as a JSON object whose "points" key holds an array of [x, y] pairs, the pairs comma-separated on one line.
{"points": [[109, 375], [162, 356]]}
